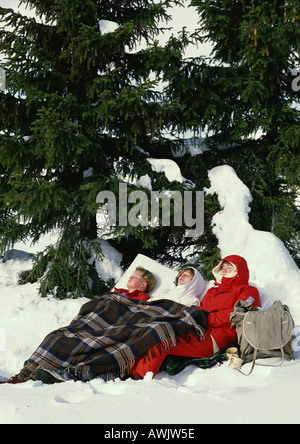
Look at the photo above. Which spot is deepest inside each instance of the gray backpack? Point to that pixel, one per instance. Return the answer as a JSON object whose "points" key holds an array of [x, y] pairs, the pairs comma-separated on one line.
{"points": [[263, 334]]}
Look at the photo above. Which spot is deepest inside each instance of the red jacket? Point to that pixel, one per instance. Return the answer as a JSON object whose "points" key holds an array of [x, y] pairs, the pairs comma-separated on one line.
{"points": [[137, 294], [219, 301]]}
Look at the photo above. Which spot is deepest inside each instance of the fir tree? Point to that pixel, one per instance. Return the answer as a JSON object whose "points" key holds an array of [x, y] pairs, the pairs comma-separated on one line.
{"points": [[78, 105], [242, 99]]}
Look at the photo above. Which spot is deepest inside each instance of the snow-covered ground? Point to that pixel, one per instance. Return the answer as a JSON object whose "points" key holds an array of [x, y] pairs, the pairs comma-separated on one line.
{"points": [[195, 396]]}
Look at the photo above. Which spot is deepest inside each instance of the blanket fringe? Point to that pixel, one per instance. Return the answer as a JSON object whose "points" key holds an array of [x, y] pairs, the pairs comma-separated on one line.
{"points": [[167, 345]]}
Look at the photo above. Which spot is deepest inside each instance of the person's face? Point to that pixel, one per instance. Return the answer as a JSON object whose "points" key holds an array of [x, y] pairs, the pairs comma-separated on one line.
{"points": [[136, 282], [226, 269], [185, 278]]}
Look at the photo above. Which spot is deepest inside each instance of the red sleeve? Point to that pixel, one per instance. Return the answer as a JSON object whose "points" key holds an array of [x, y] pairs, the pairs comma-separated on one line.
{"points": [[221, 318]]}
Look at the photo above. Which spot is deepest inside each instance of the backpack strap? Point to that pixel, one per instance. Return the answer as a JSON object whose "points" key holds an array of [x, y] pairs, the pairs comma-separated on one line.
{"points": [[253, 364], [262, 365]]}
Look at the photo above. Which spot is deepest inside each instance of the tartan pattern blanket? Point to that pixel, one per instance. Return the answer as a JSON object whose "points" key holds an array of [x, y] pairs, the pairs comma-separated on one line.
{"points": [[112, 331]]}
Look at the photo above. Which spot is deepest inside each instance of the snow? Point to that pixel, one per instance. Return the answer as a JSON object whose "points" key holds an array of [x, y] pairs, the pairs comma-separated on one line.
{"points": [[195, 396], [110, 266], [167, 166], [145, 182]]}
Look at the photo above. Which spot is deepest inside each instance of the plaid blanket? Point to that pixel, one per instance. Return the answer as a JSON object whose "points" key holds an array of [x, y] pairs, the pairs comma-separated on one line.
{"points": [[112, 331]]}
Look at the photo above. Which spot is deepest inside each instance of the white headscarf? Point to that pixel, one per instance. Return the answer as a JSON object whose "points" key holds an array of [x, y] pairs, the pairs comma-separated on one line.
{"points": [[188, 294]]}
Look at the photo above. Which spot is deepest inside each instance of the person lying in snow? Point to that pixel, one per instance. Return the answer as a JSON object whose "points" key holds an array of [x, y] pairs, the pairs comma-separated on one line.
{"points": [[139, 284], [140, 281], [189, 280], [231, 284], [187, 288], [149, 331]]}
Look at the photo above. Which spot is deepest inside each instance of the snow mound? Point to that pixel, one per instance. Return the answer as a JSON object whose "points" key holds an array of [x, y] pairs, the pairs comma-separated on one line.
{"points": [[272, 269]]}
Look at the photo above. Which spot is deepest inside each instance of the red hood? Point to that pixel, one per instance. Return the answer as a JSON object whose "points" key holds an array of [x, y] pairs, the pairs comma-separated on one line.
{"points": [[242, 277]]}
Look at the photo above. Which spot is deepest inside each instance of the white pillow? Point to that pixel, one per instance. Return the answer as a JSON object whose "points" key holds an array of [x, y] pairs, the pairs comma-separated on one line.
{"points": [[165, 276]]}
